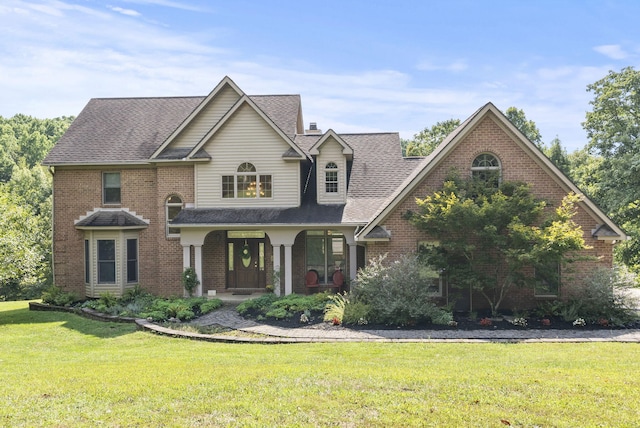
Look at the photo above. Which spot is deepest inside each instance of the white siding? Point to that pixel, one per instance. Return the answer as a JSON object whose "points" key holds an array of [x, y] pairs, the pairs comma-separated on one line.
{"points": [[206, 119], [331, 151], [246, 137]]}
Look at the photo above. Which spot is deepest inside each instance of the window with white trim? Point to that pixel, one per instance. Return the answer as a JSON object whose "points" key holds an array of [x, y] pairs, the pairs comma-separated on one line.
{"points": [[112, 261], [173, 206], [331, 178], [111, 191], [486, 167], [106, 261], [247, 183]]}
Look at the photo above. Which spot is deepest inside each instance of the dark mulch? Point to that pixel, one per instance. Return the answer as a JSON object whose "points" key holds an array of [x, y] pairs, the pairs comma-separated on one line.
{"points": [[463, 323]]}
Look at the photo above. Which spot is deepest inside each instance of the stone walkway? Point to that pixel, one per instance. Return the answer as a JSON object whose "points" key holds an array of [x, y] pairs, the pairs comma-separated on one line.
{"points": [[324, 332]]}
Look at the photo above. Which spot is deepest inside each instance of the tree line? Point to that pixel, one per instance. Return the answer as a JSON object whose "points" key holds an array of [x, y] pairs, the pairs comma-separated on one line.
{"points": [[25, 204]]}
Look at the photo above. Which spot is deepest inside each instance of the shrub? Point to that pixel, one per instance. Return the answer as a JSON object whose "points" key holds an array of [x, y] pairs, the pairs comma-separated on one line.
{"points": [[601, 297], [356, 313], [54, 295], [272, 306], [399, 293]]}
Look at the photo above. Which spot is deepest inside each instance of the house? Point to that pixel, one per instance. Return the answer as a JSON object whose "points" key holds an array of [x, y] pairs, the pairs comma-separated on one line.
{"points": [[235, 187]]}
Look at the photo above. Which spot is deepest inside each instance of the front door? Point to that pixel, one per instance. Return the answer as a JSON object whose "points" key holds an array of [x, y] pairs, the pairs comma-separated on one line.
{"points": [[246, 263]]}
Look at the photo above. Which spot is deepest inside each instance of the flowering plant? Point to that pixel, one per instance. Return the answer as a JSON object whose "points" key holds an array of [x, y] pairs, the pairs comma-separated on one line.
{"points": [[580, 322], [546, 322], [520, 322]]}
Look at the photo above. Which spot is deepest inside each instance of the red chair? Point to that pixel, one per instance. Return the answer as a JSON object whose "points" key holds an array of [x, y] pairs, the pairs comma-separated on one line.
{"points": [[311, 280], [337, 281]]}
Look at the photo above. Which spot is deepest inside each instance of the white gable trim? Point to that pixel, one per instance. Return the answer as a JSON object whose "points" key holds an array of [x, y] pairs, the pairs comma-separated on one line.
{"points": [[226, 81], [443, 150], [346, 149]]}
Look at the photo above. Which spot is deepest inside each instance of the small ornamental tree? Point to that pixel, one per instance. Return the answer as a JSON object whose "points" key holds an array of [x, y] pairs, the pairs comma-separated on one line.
{"points": [[487, 236]]}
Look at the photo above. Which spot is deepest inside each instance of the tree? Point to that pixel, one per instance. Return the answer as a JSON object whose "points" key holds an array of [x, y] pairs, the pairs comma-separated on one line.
{"points": [[558, 155], [25, 204], [487, 236], [425, 141], [527, 127], [613, 129]]}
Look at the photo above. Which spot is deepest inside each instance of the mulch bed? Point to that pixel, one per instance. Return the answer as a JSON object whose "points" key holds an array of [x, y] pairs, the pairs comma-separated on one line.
{"points": [[463, 323]]}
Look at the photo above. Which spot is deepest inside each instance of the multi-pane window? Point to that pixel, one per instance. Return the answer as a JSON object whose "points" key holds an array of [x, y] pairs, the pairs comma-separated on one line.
{"points": [[173, 208], [325, 253], [486, 167], [111, 187], [331, 178], [132, 260], [106, 261], [247, 183]]}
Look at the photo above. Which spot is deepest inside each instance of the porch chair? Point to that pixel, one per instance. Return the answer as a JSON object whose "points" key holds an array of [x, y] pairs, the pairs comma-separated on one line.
{"points": [[311, 280], [337, 281]]}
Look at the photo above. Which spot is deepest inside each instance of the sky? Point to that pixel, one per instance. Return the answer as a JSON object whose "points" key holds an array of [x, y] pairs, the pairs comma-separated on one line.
{"points": [[359, 65]]}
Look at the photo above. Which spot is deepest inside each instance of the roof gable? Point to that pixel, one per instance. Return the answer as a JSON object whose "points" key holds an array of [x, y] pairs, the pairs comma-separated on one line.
{"points": [[457, 136], [225, 83], [330, 134], [293, 153]]}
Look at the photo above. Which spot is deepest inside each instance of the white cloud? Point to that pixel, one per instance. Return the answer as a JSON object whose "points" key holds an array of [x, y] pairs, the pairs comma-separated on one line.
{"points": [[128, 12], [612, 51]]}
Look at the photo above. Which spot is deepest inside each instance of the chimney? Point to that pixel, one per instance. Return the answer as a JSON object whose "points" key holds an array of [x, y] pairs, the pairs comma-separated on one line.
{"points": [[313, 129]]}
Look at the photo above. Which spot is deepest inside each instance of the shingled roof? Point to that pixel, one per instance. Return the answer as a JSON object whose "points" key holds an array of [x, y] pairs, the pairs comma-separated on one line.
{"points": [[130, 130]]}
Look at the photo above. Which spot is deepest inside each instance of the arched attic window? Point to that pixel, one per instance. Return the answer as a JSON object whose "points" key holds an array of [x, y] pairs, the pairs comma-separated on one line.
{"points": [[331, 177], [486, 167], [173, 206]]}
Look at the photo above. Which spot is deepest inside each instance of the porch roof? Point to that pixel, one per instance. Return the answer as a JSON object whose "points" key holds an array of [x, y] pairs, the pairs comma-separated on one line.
{"points": [[305, 214]]}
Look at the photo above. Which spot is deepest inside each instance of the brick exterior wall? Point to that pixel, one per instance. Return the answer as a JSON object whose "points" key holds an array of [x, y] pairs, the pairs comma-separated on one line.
{"points": [[490, 137], [143, 191]]}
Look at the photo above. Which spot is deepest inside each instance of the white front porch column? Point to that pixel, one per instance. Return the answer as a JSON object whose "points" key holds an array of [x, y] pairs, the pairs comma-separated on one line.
{"points": [[198, 267], [353, 261], [186, 256], [276, 269], [288, 279]]}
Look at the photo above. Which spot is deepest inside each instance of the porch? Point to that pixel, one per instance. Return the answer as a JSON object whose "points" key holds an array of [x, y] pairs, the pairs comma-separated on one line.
{"points": [[237, 263]]}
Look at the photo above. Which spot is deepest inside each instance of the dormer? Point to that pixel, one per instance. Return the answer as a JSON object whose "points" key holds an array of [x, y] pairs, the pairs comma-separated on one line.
{"points": [[331, 154]]}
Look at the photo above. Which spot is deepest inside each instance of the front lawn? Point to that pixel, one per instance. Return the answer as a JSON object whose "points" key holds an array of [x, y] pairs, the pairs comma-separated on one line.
{"points": [[59, 369]]}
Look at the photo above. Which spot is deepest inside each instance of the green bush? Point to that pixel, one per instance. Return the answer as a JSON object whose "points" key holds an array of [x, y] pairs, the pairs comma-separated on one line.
{"points": [[272, 306], [356, 313], [54, 295], [398, 293], [601, 297]]}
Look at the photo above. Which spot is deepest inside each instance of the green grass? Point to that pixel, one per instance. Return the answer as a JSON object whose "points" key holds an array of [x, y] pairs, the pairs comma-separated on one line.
{"points": [[59, 369]]}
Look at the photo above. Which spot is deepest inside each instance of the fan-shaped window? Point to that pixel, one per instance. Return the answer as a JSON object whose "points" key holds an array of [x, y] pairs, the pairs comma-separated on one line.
{"points": [[173, 206], [331, 178], [486, 167], [246, 183]]}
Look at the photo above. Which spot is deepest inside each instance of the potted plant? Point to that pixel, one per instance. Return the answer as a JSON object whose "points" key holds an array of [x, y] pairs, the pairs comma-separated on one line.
{"points": [[190, 280]]}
